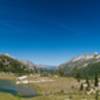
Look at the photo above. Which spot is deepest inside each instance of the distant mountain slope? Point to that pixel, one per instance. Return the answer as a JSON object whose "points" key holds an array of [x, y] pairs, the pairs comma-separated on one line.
{"points": [[37, 67], [11, 65], [84, 64], [29, 64], [90, 70]]}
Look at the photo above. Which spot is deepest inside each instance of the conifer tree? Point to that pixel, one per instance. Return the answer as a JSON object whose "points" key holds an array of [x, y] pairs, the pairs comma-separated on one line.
{"points": [[96, 81], [88, 83]]}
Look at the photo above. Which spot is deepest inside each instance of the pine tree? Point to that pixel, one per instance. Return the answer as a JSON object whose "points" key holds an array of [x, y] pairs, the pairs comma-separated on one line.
{"points": [[88, 83], [81, 87], [96, 81], [78, 77]]}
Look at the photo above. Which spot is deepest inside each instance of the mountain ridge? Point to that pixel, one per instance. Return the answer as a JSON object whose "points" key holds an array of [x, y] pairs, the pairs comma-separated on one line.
{"points": [[79, 63]]}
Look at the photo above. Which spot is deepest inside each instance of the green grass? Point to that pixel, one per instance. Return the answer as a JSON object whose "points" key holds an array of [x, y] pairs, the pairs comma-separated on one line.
{"points": [[4, 96]]}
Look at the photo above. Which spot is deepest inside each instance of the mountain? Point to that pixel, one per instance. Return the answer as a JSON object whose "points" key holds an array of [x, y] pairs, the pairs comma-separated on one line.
{"points": [[29, 64], [84, 64], [46, 66], [11, 65], [33, 66]]}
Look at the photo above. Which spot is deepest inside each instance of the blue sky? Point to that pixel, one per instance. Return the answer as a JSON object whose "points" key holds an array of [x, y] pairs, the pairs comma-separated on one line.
{"points": [[49, 31]]}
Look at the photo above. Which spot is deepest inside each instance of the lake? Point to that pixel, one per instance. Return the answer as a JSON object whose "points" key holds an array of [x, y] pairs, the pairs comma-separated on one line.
{"points": [[21, 90]]}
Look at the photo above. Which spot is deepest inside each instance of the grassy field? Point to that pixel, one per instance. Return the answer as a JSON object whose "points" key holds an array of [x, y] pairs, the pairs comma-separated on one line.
{"points": [[57, 89], [4, 96]]}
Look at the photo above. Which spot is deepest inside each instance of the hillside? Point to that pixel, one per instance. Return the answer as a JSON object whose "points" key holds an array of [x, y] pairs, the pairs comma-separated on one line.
{"points": [[85, 65], [10, 65]]}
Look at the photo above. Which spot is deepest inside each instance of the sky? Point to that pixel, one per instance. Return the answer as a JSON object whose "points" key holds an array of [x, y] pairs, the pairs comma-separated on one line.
{"points": [[49, 31]]}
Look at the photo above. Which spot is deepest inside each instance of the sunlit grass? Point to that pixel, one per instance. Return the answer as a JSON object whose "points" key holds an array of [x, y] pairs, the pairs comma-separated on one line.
{"points": [[4, 96]]}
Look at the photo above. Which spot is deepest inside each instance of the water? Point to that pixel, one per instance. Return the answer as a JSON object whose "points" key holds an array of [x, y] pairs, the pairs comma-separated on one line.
{"points": [[9, 87]]}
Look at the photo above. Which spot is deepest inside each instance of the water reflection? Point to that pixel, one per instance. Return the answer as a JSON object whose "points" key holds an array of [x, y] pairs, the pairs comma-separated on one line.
{"points": [[10, 87]]}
